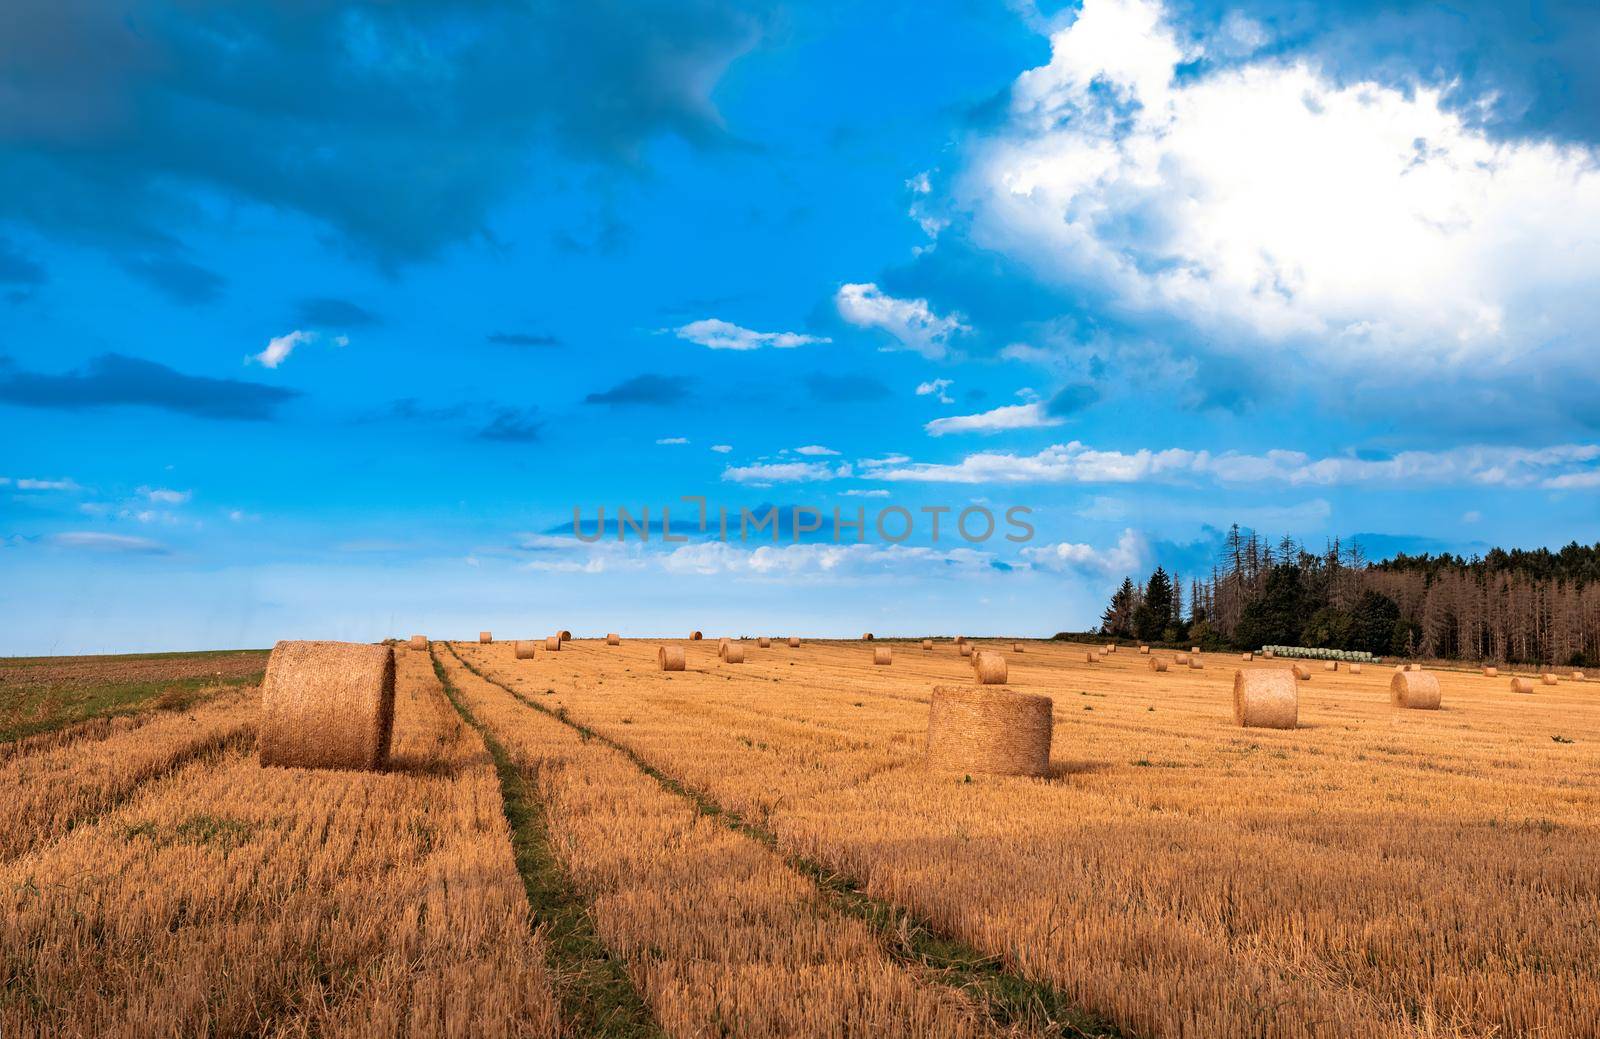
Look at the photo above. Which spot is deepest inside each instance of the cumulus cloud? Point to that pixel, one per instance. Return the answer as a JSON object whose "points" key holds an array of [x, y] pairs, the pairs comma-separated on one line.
{"points": [[722, 449], [724, 335], [1012, 416], [936, 388], [785, 472], [1565, 466], [1125, 557], [1266, 204], [280, 347], [164, 495], [815, 449], [911, 322]]}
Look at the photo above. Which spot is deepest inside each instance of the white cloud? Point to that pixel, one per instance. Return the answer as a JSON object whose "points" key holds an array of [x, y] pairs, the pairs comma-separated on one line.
{"points": [[822, 561], [815, 449], [1471, 516], [877, 493], [1561, 467], [1012, 416], [1125, 557], [910, 321], [725, 335], [673, 440], [785, 472], [936, 387], [100, 542], [722, 449], [279, 349], [1267, 204], [165, 496], [23, 483]]}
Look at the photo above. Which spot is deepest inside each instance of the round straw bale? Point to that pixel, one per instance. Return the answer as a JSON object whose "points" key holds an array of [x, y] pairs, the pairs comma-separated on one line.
{"points": [[794, 643], [670, 658], [1302, 673], [1355, 669], [523, 648], [1181, 658], [1145, 650], [1110, 647], [694, 636], [1195, 664], [1157, 664], [485, 636], [1399, 669], [1417, 690], [866, 636], [882, 655], [1521, 685], [1491, 672], [1267, 654], [927, 643], [1194, 649], [1247, 656], [327, 705], [419, 642], [613, 639], [1549, 679], [961, 640], [1577, 676], [552, 644], [1265, 698], [1091, 657], [764, 642], [1016, 647], [986, 730], [1413, 667], [989, 667], [1331, 665], [566, 636], [722, 647], [733, 653], [964, 648]]}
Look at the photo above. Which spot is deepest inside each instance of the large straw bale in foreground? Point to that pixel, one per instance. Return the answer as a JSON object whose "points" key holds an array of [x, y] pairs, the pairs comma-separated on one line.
{"points": [[524, 648], [419, 642], [988, 730], [1266, 699], [989, 667], [670, 658], [1417, 690], [327, 705]]}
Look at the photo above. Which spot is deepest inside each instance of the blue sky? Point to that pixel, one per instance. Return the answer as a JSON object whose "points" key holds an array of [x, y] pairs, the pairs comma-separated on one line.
{"points": [[319, 320]]}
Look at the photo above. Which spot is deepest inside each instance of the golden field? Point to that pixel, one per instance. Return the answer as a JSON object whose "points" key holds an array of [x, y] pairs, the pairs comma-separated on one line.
{"points": [[582, 844]]}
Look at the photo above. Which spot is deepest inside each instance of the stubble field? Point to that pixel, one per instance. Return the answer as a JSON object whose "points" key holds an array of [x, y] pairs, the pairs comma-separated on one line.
{"points": [[581, 844]]}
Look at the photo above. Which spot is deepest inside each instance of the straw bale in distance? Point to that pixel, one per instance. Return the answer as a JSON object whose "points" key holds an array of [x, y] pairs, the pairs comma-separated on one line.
{"points": [[733, 653], [989, 667], [722, 647], [964, 648], [1194, 649], [961, 640], [794, 643], [1266, 698], [764, 642], [419, 642], [327, 705], [1491, 672], [671, 658], [1181, 658], [694, 636], [1330, 665], [613, 639], [866, 636], [1145, 650], [1196, 664], [523, 648], [1016, 647], [978, 730], [882, 656], [1157, 664], [1355, 669], [1521, 685], [1247, 656], [552, 644], [1549, 679], [485, 636], [1267, 654], [1091, 657], [1577, 676], [1413, 667], [566, 636], [1417, 690], [927, 643], [1302, 673]]}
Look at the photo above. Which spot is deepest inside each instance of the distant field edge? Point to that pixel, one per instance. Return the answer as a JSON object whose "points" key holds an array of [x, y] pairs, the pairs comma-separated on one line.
{"points": [[1008, 998]]}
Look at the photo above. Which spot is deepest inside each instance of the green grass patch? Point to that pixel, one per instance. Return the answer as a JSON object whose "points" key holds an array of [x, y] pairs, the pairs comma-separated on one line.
{"points": [[31, 711], [597, 996]]}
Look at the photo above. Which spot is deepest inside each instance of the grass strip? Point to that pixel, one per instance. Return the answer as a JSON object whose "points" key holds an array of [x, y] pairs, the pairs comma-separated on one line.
{"points": [[63, 708], [597, 996], [1008, 998]]}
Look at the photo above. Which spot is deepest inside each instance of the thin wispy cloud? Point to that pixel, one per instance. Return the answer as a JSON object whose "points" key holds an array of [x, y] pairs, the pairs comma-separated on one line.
{"points": [[912, 323], [998, 420], [716, 334]]}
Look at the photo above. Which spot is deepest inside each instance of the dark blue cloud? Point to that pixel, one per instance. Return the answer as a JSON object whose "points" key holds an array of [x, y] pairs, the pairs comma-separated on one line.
{"points": [[328, 312], [845, 389], [1517, 69], [513, 426], [114, 379], [400, 124], [523, 339], [176, 278], [644, 389], [17, 269]]}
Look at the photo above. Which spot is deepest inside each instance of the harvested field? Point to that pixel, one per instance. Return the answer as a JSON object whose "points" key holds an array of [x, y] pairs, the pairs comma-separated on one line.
{"points": [[583, 844]]}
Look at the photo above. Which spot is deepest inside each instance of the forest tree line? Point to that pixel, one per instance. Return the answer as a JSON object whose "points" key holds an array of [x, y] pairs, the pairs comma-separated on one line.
{"points": [[1531, 607]]}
